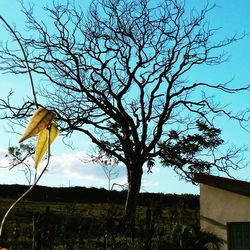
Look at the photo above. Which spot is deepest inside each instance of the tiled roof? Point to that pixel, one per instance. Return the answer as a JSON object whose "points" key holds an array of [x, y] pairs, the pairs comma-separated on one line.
{"points": [[231, 185]]}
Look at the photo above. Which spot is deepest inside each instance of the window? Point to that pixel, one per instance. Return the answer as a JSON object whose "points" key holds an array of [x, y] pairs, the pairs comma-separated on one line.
{"points": [[238, 235]]}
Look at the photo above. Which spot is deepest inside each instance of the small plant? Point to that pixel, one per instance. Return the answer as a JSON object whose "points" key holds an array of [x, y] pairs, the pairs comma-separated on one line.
{"points": [[186, 237], [40, 125]]}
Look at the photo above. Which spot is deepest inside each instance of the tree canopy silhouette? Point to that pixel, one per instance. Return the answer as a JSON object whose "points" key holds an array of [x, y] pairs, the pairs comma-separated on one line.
{"points": [[118, 74]]}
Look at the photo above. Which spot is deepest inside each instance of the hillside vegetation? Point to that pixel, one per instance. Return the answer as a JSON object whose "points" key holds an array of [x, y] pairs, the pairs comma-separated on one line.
{"points": [[95, 195]]}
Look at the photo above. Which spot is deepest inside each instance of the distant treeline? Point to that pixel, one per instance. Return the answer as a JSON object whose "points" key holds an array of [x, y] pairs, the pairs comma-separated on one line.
{"points": [[96, 195]]}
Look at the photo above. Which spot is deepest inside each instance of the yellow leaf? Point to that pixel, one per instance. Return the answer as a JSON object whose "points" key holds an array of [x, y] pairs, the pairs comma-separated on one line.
{"points": [[42, 142], [39, 121]]}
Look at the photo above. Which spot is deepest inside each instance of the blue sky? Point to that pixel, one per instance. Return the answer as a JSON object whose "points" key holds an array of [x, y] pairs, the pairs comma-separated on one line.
{"points": [[70, 167]]}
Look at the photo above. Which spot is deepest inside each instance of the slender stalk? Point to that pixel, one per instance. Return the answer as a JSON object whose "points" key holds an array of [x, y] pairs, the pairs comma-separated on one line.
{"points": [[25, 59]]}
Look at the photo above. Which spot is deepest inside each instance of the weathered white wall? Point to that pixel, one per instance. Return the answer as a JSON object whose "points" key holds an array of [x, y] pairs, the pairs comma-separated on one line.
{"points": [[218, 206]]}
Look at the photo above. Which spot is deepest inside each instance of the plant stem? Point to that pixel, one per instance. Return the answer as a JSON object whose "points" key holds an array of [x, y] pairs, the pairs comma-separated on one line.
{"points": [[25, 59]]}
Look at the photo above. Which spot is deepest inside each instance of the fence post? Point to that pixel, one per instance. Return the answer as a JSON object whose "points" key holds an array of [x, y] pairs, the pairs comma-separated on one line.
{"points": [[33, 231]]}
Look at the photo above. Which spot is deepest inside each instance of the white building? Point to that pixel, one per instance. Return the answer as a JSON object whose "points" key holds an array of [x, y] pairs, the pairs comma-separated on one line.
{"points": [[225, 210]]}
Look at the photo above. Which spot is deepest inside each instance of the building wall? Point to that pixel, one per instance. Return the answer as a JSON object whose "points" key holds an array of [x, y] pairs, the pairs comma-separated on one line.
{"points": [[218, 206]]}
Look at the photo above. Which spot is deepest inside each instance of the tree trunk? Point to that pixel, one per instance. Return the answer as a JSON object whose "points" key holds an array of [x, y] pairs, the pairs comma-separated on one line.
{"points": [[134, 185]]}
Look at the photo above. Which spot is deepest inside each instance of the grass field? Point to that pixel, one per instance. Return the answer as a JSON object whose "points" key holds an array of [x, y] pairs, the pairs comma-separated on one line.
{"points": [[72, 226]]}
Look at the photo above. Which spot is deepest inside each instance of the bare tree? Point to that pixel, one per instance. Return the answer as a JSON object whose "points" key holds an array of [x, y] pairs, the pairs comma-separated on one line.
{"points": [[21, 156], [119, 75], [109, 166]]}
